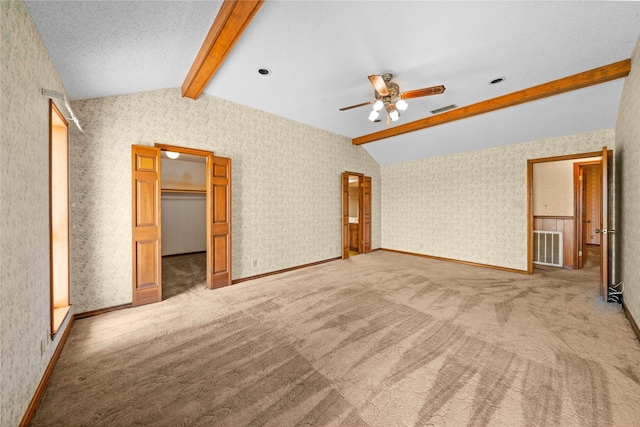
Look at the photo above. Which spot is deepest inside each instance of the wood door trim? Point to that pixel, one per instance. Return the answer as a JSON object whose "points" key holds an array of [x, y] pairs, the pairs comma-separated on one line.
{"points": [[183, 150], [588, 78], [365, 217], [57, 119], [344, 215], [231, 21], [361, 239]]}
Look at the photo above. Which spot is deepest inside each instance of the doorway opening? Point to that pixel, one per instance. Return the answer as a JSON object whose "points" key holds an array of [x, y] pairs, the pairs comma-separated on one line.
{"points": [[184, 223], [356, 214], [588, 195], [147, 185], [568, 213]]}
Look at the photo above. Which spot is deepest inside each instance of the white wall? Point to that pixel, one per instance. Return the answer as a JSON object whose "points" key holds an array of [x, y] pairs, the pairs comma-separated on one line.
{"points": [[470, 206], [184, 226], [553, 187], [183, 175], [627, 158], [286, 180], [24, 211]]}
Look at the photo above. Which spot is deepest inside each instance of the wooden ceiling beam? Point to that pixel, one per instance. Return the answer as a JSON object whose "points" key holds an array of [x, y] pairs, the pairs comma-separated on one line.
{"points": [[577, 81], [232, 19]]}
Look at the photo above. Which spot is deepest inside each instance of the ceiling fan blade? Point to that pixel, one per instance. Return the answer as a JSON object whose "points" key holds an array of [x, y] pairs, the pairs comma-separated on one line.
{"points": [[356, 106], [433, 90], [379, 85]]}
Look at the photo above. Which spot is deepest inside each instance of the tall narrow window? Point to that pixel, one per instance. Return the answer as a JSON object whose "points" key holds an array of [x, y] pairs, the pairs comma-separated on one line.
{"points": [[59, 216]]}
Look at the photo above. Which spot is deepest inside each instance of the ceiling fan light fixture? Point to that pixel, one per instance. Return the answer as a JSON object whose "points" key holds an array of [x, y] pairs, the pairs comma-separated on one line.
{"points": [[401, 105], [374, 115], [393, 112], [378, 105]]}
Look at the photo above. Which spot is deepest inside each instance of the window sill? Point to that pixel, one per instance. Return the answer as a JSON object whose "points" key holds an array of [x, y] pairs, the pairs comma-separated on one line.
{"points": [[59, 314]]}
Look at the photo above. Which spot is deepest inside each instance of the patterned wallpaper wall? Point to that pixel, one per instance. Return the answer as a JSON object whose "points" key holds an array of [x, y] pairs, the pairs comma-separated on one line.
{"points": [[285, 188], [628, 167], [470, 206], [24, 211]]}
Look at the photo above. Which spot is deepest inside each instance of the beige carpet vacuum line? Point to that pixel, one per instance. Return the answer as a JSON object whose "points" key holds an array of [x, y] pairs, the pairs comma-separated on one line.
{"points": [[383, 339]]}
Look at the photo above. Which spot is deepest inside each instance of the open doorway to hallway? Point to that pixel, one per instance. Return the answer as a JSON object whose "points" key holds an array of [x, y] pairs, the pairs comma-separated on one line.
{"points": [[568, 203]]}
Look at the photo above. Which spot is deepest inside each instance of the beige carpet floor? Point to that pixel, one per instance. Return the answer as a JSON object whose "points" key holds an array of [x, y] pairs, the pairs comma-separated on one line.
{"points": [[182, 273], [381, 339]]}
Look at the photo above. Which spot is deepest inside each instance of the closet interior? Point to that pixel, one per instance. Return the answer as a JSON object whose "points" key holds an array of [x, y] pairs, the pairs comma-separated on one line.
{"points": [[183, 186]]}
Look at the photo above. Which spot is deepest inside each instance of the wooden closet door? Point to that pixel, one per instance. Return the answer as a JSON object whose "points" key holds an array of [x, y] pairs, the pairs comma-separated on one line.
{"points": [[146, 253], [605, 253], [345, 215], [219, 222], [365, 215]]}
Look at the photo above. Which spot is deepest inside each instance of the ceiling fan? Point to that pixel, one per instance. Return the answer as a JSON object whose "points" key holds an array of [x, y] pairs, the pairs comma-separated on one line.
{"points": [[389, 97]]}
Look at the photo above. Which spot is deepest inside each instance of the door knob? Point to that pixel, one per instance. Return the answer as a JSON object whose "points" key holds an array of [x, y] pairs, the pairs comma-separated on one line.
{"points": [[605, 231]]}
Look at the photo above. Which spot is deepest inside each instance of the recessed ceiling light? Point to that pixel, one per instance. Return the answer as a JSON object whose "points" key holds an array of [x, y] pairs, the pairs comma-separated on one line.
{"points": [[264, 71], [498, 80]]}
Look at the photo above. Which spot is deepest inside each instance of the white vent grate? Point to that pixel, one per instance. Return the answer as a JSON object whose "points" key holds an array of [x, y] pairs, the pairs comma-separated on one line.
{"points": [[443, 109], [547, 248]]}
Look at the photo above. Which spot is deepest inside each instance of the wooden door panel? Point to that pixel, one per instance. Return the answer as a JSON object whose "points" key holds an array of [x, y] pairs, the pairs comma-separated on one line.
{"points": [[219, 204], [365, 217], [146, 233], [146, 203], [220, 260], [146, 163], [345, 215], [147, 258], [604, 225], [219, 223]]}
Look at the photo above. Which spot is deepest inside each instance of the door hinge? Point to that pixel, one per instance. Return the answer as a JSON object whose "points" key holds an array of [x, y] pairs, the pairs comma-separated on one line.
{"points": [[579, 253], [579, 177]]}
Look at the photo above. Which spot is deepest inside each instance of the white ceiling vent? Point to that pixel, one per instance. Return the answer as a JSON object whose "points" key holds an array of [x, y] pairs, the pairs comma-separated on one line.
{"points": [[443, 109]]}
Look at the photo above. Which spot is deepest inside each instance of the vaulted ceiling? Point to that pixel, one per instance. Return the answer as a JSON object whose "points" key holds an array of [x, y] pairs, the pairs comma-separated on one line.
{"points": [[321, 52]]}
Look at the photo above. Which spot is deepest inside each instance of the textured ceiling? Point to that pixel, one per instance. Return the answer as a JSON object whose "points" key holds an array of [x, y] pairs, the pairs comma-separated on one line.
{"points": [[321, 52]]}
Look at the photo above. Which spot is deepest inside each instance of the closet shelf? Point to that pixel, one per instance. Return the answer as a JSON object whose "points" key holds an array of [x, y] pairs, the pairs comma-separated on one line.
{"points": [[170, 190]]}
